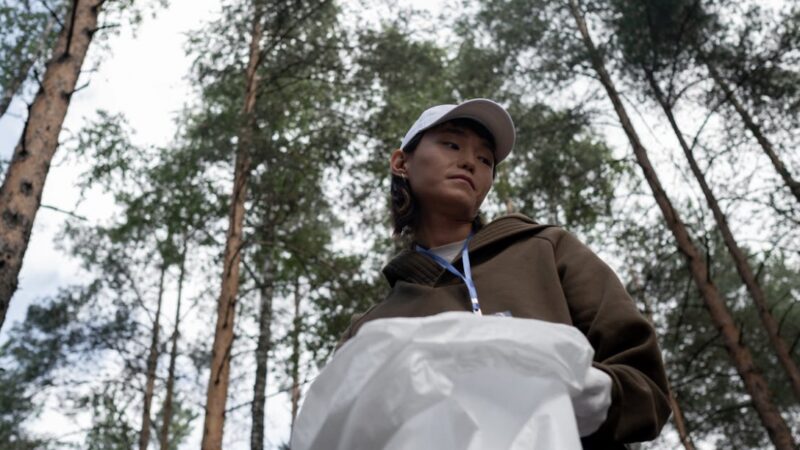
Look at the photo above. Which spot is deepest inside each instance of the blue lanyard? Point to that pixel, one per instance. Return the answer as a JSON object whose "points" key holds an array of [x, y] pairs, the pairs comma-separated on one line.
{"points": [[466, 276]]}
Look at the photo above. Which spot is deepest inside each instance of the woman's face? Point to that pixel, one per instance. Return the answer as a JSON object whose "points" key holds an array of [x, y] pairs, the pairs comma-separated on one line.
{"points": [[450, 172]]}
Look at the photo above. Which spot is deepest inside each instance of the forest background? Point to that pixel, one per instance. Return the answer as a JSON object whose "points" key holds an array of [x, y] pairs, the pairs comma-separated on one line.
{"points": [[226, 163]]}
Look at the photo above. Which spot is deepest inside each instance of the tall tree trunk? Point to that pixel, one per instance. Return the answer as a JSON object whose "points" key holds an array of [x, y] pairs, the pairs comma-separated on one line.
{"points": [[166, 411], [677, 411], [21, 75], [754, 381], [152, 363], [21, 192], [262, 357], [680, 421], [295, 358], [742, 265], [226, 309], [750, 124]]}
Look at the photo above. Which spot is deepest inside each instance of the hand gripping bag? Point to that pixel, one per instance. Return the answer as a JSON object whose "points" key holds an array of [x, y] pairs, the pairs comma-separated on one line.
{"points": [[450, 381]]}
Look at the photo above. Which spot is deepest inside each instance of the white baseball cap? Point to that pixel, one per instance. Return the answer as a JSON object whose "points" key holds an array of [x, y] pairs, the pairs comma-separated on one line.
{"points": [[487, 112]]}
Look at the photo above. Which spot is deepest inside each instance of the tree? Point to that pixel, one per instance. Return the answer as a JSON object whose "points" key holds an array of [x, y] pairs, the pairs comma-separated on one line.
{"points": [[110, 427], [265, 314], [751, 66], [754, 382], [180, 424], [559, 172], [167, 411], [293, 52], [223, 336], [21, 190], [41, 349], [20, 194], [27, 32], [652, 44], [16, 407], [152, 361], [787, 42], [163, 203], [715, 409]]}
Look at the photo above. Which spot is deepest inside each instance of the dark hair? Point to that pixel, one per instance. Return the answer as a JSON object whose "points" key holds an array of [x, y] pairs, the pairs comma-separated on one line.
{"points": [[404, 206]]}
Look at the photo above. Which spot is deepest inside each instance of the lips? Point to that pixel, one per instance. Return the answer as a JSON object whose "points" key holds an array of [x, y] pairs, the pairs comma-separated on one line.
{"points": [[465, 178]]}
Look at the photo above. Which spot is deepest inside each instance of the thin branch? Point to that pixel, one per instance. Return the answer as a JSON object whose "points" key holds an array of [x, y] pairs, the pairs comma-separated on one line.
{"points": [[83, 86], [105, 27], [289, 30], [703, 125], [63, 211], [52, 13], [785, 313]]}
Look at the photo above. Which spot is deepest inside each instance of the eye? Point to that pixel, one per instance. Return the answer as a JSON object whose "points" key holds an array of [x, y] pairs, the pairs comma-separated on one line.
{"points": [[485, 160], [451, 145]]}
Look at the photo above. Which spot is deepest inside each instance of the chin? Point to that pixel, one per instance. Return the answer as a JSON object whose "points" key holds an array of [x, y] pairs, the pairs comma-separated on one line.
{"points": [[456, 205]]}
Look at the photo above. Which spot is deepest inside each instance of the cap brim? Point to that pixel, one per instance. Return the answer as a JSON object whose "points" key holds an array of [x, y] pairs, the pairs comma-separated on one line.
{"points": [[489, 114]]}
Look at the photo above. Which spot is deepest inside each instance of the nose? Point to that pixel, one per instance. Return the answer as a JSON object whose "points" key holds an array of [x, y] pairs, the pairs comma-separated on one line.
{"points": [[467, 160]]}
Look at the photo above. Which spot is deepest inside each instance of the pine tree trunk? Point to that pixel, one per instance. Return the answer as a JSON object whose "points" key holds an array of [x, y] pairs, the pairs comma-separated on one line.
{"points": [[742, 265], [152, 363], [677, 411], [766, 145], [680, 421], [742, 359], [295, 359], [217, 392], [262, 358], [166, 411], [21, 192]]}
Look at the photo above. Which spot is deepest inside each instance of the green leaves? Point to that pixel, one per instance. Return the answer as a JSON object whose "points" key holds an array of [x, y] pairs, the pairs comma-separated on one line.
{"points": [[110, 429], [27, 33], [702, 376], [16, 406], [559, 172]]}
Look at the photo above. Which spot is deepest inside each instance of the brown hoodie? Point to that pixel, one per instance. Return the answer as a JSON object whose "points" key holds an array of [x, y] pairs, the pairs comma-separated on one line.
{"points": [[542, 272]]}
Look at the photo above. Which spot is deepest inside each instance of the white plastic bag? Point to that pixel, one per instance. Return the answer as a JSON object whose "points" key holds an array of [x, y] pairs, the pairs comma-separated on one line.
{"points": [[450, 381]]}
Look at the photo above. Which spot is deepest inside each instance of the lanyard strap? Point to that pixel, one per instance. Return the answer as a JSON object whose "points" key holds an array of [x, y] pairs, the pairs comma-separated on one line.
{"points": [[466, 277]]}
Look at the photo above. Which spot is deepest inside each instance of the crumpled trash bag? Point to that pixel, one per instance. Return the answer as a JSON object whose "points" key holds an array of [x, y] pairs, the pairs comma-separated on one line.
{"points": [[450, 381]]}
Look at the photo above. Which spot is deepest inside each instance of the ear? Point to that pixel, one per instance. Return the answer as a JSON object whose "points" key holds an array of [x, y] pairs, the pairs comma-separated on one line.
{"points": [[398, 162]]}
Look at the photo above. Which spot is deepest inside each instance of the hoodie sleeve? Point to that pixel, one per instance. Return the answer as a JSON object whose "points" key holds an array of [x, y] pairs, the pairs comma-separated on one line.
{"points": [[624, 343]]}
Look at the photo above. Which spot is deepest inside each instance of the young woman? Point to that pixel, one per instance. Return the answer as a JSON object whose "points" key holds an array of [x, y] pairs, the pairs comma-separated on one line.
{"points": [[513, 266]]}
